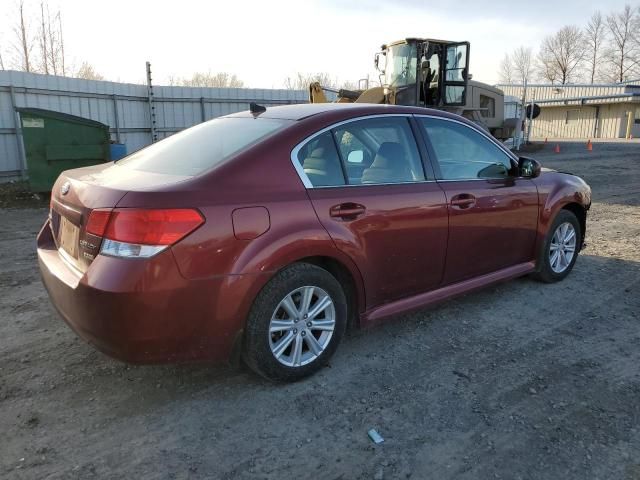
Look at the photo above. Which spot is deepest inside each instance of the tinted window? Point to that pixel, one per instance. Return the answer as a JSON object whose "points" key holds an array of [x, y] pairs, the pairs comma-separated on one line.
{"points": [[464, 153], [379, 150], [199, 148], [320, 161]]}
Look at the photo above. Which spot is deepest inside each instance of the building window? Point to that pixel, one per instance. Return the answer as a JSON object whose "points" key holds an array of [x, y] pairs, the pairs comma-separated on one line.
{"points": [[489, 104], [637, 118], [572, 115]]}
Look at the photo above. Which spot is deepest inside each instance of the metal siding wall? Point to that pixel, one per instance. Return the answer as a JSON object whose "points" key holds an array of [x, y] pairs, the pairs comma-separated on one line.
{"points": [[552, 122], [9, 158], [551, 92], [78, 97]]}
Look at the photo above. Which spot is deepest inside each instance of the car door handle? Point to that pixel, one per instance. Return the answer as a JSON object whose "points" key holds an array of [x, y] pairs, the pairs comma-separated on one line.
{"points": [[463, 200], [347, 211]]}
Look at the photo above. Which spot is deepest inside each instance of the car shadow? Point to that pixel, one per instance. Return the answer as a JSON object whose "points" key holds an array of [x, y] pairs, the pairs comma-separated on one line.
{"points": [[501, 305]]}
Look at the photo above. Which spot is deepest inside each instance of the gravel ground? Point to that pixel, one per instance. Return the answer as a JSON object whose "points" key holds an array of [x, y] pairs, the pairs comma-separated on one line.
{"points": [[520, 381]]}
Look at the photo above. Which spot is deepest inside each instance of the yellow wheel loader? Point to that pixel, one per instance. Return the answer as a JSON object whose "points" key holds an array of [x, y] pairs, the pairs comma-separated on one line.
{"points": [[428, 73]]}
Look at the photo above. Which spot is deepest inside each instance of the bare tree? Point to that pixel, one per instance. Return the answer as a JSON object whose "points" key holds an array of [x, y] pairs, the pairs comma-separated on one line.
{"points": [[208, 79], [562, 54], [37, 42], [52, 38], [521, 61], [1, 62], [546, 68], [624, 43], [506, 69], [61, 38], [24, 40], [594, 34], [349, 85], [301, 81], [43, 41], [88, 72]]}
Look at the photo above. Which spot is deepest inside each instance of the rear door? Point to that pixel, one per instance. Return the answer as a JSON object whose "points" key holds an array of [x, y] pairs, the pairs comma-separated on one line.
{"points": [[369, 189], [493, 213]]}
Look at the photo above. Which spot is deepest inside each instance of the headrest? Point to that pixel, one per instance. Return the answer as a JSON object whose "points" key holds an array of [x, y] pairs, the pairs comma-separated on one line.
{"points": [[388, 154], [323, 148]]}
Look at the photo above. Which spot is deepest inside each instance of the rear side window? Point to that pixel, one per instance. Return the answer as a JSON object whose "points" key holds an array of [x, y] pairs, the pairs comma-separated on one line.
{"points": [[202, 147], [320, 161], [379, 151]]}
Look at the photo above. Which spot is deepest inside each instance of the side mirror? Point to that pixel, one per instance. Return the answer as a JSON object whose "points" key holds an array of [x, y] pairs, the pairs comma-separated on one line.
{"points": [[376, 61], [355, 156], [528, 167]]}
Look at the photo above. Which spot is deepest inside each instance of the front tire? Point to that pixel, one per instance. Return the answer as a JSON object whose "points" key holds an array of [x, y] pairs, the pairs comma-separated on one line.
{"points": [[295, 323], [560, 249]]}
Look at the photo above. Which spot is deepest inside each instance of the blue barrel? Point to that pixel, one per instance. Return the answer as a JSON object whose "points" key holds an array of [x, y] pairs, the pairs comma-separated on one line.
{"points": [[118, 151]]}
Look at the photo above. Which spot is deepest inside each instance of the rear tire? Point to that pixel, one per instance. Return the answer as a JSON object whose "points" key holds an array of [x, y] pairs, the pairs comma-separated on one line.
{"points": [[560, 250], [295, 324]]}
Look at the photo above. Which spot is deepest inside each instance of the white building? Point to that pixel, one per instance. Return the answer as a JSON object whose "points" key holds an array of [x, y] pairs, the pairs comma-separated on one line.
{"points": [[581, 110]]}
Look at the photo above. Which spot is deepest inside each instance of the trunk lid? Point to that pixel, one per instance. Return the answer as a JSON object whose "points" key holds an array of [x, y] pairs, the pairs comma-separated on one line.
{"points": [[77, 192]]}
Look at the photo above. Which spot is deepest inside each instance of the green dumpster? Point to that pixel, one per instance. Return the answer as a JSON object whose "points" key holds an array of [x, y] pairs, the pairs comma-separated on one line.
{"points": [[55, 142]]}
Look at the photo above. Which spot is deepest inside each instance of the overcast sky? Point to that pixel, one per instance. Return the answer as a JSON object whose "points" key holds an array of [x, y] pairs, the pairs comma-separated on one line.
{"points": [[265, 41]]}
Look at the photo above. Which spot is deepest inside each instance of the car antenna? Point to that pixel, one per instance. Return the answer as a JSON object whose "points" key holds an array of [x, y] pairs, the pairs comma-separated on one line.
{"points": [[257, 109]]}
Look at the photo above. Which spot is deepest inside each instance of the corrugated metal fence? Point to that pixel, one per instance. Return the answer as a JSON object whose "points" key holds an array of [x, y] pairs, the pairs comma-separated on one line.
{"points": [[124, 107]]}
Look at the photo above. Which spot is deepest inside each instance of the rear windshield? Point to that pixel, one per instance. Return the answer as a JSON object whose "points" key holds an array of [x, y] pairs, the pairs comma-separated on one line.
{"points": [[202, 147]]}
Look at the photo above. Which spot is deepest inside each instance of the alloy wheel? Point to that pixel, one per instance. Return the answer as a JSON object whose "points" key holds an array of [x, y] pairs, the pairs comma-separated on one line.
{"points": [[301, 326], [563, 247]]}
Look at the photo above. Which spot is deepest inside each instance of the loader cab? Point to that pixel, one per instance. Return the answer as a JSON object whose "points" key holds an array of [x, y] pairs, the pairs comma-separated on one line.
{"points": [[424, 72]]}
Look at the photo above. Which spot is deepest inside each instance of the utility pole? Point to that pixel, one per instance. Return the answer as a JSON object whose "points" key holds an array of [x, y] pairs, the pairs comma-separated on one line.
{"points": [[152, 108], [533, 96], [520, 129]]}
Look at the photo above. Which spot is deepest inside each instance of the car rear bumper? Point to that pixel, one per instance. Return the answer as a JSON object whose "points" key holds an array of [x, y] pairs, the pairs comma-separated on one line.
{"points": [[144, 310]]}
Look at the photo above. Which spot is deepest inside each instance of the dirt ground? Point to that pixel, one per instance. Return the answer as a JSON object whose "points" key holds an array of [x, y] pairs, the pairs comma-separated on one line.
{"points": [[520, 381]]}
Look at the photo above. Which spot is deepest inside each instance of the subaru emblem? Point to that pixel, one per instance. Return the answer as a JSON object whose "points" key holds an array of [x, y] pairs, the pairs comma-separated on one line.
{"points": [[64, 189]]}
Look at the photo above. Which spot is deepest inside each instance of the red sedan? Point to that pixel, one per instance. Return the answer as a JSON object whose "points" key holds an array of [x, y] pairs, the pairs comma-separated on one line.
{"points": [[267, 233]]}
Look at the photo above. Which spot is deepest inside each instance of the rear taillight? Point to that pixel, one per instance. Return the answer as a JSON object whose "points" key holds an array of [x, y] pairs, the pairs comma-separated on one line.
{"points": [[97, 223], [134, 232]]}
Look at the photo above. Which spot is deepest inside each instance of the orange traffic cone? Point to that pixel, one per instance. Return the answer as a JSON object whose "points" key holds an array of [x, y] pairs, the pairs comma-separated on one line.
{"points": [[589, 146], [557, 149]]}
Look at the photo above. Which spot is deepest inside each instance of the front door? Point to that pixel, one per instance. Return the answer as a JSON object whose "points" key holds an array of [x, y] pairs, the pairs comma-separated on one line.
{"points": [[493, 213], [370, 192], [455, 74]]}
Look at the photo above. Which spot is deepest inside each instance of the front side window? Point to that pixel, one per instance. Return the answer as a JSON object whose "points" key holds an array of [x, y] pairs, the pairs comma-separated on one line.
{"points": [[197, 149], [463, 153], [379, 151]]}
